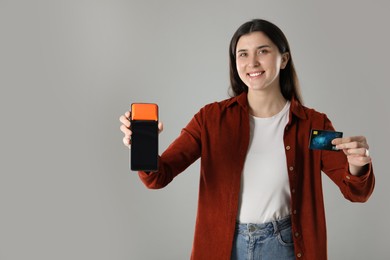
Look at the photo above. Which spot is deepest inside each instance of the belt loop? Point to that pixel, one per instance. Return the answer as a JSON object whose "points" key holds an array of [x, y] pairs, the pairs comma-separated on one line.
{"points": [[276, 227]]}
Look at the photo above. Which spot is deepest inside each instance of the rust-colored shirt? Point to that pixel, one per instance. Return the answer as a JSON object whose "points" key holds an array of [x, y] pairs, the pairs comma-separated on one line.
{"points": [[219, 135]]}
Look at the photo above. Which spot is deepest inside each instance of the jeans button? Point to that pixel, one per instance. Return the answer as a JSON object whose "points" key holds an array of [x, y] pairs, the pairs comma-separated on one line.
{"points": [[252, 228]]}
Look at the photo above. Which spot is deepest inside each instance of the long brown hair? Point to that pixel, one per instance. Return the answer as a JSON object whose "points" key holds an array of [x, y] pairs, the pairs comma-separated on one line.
{"points": [[288, 78]]}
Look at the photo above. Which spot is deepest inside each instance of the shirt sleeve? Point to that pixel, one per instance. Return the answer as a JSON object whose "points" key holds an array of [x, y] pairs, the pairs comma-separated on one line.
{"points": [[184, 151], [335, 165]]}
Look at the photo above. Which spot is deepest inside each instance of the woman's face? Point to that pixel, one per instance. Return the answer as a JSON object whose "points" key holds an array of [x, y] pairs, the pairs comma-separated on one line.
{"points": [[259, 62]]}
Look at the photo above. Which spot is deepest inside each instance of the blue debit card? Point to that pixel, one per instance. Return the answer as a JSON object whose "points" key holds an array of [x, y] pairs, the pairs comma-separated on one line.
{"points": [[322, 139]]}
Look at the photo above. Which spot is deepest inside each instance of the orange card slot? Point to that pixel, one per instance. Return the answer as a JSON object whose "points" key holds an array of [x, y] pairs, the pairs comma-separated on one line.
{"points": [[144, 111]]}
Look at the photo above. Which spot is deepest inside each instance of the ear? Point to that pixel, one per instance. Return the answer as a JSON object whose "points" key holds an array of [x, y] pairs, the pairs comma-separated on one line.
{"points": [[285, 59]]}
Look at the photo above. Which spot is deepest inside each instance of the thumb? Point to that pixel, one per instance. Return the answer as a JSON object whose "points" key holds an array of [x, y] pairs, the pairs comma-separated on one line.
{"points": [[160, 127]]}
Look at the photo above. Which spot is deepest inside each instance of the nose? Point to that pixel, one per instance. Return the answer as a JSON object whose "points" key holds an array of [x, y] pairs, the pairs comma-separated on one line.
{"points": [[254, 61]]}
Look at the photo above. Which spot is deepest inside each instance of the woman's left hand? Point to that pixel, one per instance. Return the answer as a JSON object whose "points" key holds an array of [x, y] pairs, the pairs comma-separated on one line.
{"points": [[356, 150]]}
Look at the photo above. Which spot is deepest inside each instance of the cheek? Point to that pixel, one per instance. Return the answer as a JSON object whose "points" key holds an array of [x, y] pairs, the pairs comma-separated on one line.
{"points": [[240, 68], [241, 73], [278, 62]]}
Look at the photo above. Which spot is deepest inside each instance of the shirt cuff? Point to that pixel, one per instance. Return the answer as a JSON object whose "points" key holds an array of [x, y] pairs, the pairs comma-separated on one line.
{"points": [[360, 178]]}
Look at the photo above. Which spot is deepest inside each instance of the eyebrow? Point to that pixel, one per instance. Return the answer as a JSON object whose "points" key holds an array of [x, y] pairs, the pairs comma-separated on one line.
{"points": [[258, 48]]}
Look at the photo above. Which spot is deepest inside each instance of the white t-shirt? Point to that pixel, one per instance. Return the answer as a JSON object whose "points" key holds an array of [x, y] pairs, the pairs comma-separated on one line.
{"points": [[265, 191]]}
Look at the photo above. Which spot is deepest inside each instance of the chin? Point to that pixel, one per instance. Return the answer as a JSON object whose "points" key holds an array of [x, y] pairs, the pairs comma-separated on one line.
{"points": [[254, 88]]}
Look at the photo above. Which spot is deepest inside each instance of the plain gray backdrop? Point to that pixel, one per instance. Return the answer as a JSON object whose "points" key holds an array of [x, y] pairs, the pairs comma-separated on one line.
{"points": [[69, 69]]}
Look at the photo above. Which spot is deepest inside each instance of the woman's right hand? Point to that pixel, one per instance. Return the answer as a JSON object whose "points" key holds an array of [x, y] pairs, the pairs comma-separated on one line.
{"points": [[125, 128]]}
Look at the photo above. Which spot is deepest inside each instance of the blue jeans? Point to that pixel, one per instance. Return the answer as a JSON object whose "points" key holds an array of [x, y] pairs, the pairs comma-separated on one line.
{"points": [[268, 241]]}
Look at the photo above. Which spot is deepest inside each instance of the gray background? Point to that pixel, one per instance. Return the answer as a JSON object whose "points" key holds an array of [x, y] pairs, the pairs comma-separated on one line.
{"points": [[69, 69]]}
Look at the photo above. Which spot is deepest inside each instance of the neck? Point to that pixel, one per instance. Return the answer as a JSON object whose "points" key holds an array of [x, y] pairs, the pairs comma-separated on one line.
{"points": [[265, 104]]}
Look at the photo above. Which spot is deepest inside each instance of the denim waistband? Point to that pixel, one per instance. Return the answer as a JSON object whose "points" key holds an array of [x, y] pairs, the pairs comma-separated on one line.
{"points": [[272, 226]]}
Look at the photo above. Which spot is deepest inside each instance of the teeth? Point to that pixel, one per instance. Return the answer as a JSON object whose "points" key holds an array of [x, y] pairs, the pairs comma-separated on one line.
{"points": [[255, 74]]}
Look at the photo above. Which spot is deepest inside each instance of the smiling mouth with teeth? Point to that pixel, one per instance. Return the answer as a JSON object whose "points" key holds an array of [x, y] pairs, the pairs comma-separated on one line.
{"points": [[255, 74]]}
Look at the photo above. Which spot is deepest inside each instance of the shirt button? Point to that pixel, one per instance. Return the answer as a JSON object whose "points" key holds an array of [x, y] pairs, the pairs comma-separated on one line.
{"points": [[299, 255], [288, 147], [293, 191], [295, 212], [348, 177], [291, 168], [296, 234]]}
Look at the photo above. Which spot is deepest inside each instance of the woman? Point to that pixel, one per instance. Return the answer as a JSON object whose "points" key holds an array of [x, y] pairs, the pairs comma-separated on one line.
{"points": [[260, 193]]}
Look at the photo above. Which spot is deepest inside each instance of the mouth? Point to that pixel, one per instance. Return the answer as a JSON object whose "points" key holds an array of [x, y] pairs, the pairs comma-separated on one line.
{"points": [[255, 74]]}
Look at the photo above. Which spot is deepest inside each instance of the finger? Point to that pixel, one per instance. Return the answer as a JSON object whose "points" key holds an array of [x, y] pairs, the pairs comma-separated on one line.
{"points": [[352, 145], [360, 139], [124, 120], [357, 152], [126, 141], [125, 130], [160, 127], [350, 142], [127, 114]]}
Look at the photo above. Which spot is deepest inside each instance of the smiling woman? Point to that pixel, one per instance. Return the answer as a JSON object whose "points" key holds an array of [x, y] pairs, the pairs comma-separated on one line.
{"points": [[260, 192], [258, 64], [70, 68], [269, 39]]}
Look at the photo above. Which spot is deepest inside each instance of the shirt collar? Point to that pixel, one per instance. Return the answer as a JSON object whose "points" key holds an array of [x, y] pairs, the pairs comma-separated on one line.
{"points": [[296, 108]]}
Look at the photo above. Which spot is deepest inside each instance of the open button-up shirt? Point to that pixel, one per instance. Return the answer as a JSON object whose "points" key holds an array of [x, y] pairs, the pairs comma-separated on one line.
{"points": [[219, 135]]}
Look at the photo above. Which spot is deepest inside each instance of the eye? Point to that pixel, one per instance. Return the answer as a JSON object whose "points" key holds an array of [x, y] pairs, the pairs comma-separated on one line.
{"points": [[262, 51], [242, 54]]}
